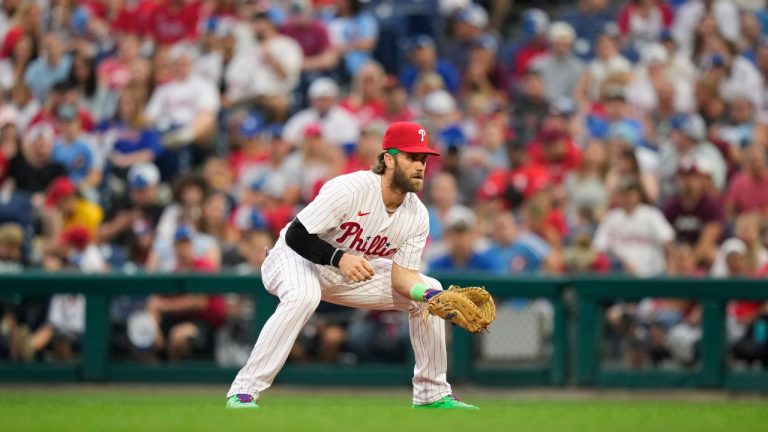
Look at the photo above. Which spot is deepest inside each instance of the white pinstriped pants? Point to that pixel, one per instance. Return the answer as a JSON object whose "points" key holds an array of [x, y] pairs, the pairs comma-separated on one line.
{"points": [[301, 284]]}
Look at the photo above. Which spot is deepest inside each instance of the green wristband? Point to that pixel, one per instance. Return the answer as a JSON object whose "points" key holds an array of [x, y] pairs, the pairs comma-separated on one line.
{"points": [[417, 292]]}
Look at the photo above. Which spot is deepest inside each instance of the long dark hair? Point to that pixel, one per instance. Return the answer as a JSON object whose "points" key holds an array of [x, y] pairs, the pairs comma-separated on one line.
{"points": [[89, 86]]}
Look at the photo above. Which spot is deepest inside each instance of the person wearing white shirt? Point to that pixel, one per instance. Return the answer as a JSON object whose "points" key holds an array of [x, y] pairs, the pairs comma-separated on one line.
{"points": [[184, 111], [267, 72], [338, 126], [635, 232], [689, 15]]}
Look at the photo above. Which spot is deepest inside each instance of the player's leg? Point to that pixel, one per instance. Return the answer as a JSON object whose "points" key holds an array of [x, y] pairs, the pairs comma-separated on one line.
{"points": [[427, 337], [294, 280]]}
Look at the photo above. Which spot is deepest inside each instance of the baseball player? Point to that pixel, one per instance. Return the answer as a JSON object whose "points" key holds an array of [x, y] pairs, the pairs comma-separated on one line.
{"points": [[358, 244]]}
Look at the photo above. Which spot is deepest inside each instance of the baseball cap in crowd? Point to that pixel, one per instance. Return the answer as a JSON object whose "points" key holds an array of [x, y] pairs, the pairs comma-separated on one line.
{"points": [[76, 236], [323, 87], [66, 112], [692, 166], [422, 41], [143, 175], [487, 42], [560, 30], [692, 125], [460, 219], [534, 22], [562, 106], [41, 130], [439, 102], [407, 137], [251, 219], [474, 15], [59, 189], [183, 234], [250, 126]]}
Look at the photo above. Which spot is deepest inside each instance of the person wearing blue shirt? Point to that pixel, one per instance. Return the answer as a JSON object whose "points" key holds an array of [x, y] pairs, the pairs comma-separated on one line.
{"points": [[354, 32], [423, 59], [515, 252], [128, 138], [77, 154], [460, 238], [51, 67]]}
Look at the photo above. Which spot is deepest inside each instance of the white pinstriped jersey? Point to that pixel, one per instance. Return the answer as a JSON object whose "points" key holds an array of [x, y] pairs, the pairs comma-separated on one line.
{"points": [[349, 213]]}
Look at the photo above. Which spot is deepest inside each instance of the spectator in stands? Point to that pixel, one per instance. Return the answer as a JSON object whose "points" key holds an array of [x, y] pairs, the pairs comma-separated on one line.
{"points": [[366, 96], [534, 26], [27, 21], [252, 246], [320, 57], [65, 209], [509, 188], [688, 138], [77, 151], [530, 107], [423, 57], [188, 195], [469, 23], [127, 139], [586, 187], [483, 74], [748, 189], [339, 126], [743, 254], [518, 251], [275, 174], [12, 257], [132, 218], [695, 215], [116, 73], [184, 111], [25, 104], [33, 168], [367, 149], [396, 106], [741, 128], [641, 23], [590, 19], [50, 68], [554, 149], [354, 33], [635, 233], [268, 73], [443, 198], [461, 233], [609, 66], [559, 68], [13, 68], [652, 73], [82, 77], [187, 321], [690, 14], [215, 221], [172, 21]]}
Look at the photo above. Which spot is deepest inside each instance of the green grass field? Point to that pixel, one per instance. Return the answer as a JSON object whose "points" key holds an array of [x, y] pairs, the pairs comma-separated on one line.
{"points": [[175, 410]]}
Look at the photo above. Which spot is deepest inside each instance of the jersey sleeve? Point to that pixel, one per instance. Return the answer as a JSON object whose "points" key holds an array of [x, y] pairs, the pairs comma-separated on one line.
{"points": [[327, 209], [409, 254]]}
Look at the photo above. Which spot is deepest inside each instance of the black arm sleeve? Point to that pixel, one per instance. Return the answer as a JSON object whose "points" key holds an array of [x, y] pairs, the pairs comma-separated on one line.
{"points": [[310, 246]]}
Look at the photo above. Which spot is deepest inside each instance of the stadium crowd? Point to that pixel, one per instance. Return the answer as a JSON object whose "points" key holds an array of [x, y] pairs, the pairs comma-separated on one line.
{"points": [[182, 135]]}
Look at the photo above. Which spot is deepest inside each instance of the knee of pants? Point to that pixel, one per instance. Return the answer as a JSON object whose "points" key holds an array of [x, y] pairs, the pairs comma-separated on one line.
{"points": [[306, 301]]}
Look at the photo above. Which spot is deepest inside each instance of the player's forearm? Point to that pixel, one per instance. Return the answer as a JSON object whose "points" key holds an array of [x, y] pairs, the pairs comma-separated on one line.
{"points": [[310, 246], [408, 283]]}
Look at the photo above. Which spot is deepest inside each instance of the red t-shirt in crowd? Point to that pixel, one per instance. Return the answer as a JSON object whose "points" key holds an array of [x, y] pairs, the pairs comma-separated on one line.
{"points": [[114, 74], [559, 168], [747, 193], [11, 38], [528, 179], [312, 37], [689, 223], [168, 24], [216, 311], [134, 18]]}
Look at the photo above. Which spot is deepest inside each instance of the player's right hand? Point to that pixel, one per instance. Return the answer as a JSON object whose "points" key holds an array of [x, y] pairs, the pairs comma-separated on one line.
{"points": [[356, 268]]}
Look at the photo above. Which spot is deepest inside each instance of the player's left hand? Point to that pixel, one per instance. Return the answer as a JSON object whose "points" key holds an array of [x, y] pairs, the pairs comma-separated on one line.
{"points": [[470, 308]]}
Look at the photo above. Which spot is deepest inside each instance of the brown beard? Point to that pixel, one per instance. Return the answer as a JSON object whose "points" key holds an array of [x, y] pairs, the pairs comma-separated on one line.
{"points": [[402, 182]]}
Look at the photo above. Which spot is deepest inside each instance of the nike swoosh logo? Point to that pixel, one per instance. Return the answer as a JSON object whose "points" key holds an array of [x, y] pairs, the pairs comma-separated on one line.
{"points": [[363, 214]]}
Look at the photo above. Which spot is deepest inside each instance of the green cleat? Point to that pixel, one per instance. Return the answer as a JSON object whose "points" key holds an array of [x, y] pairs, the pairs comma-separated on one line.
{"points": [[448, 402], [241, 401]]}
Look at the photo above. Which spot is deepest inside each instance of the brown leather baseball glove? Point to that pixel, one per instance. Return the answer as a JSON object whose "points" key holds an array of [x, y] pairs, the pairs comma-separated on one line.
{"points": [[470, 308]]}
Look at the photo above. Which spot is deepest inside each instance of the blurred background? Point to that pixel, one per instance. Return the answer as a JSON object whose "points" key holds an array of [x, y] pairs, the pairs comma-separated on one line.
{"points": [[581, 140]]}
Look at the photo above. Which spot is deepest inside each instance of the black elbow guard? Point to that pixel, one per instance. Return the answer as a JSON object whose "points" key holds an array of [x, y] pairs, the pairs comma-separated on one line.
{"points": [[311, 246]]}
